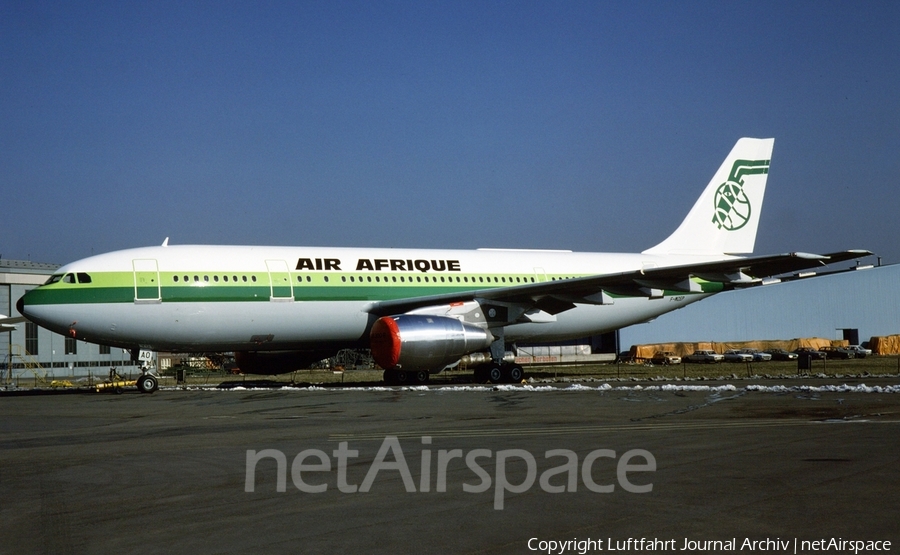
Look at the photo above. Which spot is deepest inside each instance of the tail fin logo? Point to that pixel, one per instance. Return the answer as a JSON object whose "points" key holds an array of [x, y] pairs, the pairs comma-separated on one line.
{"points": [[732, 207]]}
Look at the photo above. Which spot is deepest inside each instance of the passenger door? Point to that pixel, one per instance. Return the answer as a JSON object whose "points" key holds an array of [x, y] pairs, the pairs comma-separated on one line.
{"points": [[146, 281], [280, 286]]}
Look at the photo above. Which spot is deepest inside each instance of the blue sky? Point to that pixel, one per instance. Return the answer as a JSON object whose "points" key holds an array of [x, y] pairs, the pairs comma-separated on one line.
{"points": [[590, 126]]}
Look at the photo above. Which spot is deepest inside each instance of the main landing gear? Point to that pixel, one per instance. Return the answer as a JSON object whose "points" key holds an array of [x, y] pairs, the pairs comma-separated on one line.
{"points": [[398, 377], [499, 373]]}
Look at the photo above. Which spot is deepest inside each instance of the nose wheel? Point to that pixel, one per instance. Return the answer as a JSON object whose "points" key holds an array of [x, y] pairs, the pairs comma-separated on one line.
{"points": [[147, 384]]}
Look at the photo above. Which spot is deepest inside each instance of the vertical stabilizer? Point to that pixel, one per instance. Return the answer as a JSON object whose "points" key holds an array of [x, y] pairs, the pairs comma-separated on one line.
{"points": [[725, 218]]}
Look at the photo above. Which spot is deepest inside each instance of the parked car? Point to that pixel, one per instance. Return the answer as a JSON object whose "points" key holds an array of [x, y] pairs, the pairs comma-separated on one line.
{"points": [[758, 356], [813, 353], [735, 355], [861, 352], [665, 358], [781, 354], [704, 356], [838, 352]]}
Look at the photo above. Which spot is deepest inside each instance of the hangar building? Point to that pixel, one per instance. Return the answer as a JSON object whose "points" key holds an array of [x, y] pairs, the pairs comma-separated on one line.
{"points": [[867, 300]]}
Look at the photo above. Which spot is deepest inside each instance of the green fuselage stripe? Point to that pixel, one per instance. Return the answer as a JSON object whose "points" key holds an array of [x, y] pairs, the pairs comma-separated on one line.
{"points": [[118, 287]]}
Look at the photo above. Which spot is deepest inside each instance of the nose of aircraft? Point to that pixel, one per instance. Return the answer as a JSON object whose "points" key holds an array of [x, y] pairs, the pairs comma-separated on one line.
{"points": [[20, 305]]}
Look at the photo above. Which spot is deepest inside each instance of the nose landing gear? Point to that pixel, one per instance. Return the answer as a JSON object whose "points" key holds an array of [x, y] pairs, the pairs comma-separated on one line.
{"points": [[147, 383]]}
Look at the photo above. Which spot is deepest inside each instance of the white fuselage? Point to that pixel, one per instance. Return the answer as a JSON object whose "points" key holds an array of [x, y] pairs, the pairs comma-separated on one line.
{"points": [[226, 298]]}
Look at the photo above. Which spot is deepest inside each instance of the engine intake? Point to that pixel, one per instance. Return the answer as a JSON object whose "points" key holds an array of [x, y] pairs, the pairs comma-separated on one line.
{"points": [[413, 342]]}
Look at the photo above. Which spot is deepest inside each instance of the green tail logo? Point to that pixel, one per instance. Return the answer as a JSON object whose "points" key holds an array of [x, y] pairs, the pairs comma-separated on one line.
{"points": [[732, 207]]}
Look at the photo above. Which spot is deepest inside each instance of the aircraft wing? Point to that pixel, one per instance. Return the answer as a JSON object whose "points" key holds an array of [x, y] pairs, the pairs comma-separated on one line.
{"points": [[557, 296]]}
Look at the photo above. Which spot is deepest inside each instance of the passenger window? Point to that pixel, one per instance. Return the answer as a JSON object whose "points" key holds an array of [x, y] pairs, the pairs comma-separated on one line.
{"points": [[206, 279], [308, 279], [225, 278], [253, 279], [175, 278], [216, 279], [196, 279], [234, 279], [244, 278], [326, 279]]}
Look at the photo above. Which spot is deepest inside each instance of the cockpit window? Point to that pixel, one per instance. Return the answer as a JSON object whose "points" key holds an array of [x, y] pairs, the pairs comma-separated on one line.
{"points": [[68, 278], [83, 277], [53, 279]]}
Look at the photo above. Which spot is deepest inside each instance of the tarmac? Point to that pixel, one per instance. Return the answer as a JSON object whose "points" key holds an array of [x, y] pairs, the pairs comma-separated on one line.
{"points": [[454, 469]]}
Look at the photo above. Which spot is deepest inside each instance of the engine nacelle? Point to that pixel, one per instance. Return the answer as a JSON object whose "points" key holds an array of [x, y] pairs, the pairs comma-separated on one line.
{"points": [[417, 342], [276, 362]]}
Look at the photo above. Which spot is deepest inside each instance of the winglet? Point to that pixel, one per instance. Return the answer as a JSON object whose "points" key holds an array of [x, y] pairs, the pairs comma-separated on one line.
{"points": [[725, 218]]}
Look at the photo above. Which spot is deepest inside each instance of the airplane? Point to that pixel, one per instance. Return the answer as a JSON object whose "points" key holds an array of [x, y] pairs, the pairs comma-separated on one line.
{"points": [[419, 311]]}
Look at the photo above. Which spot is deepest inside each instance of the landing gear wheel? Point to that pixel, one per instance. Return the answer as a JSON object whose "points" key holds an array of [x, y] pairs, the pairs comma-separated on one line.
{"points": [[515, 373], [495, 373], [420, 377], [401, 376], [147, 384]]}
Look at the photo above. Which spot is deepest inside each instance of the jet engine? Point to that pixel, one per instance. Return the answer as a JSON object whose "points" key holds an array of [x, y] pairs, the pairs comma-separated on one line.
{"points": [[417, 342], [276, 362]]}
